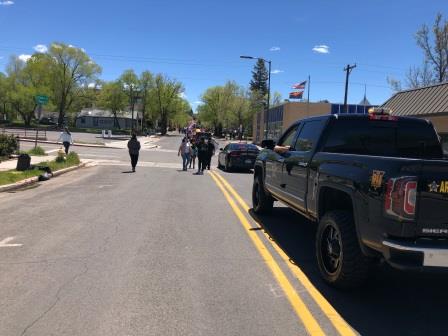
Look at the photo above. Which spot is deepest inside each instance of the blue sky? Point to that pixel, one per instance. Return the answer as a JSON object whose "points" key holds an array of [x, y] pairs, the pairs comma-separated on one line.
{"points": [[199, 42]]}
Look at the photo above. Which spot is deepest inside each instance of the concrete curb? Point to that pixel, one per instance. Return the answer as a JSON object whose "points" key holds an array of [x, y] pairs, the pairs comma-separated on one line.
{"points": [[75, 144], [32, 180]]}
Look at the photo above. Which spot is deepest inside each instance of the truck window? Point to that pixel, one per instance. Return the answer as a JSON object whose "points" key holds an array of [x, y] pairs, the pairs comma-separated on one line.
{"points": [[403, 138], [288, 138], [309, 135]]}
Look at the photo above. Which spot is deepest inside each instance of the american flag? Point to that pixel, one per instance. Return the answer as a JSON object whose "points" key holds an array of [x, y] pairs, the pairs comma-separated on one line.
{"points": [[299, 86]]}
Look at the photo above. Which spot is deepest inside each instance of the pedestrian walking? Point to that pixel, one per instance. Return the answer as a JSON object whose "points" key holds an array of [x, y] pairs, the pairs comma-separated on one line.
{"points": [[134, 149], [66, 139], [202, 156], [194, 153], [185, 151], [210, 152]]}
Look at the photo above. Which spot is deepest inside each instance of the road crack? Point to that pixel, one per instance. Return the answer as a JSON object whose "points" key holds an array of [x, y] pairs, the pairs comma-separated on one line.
{"points": [[56, 299]]}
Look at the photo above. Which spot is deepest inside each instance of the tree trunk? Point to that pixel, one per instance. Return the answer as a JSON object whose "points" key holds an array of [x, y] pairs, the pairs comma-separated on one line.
{"points": [[116, 122], [163, 123], [61, 115]]}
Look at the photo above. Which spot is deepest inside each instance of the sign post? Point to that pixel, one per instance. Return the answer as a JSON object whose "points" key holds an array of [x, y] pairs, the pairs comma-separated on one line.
{"points": [[40, 100]]}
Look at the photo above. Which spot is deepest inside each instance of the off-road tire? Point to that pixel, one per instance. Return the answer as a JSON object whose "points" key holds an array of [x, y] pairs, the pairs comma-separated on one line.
{"points": [[262, 202], [226, 165], [353, 266]]}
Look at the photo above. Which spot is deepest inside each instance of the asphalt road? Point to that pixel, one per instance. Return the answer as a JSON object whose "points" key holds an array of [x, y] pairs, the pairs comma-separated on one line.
{"points": [[101, 251]]}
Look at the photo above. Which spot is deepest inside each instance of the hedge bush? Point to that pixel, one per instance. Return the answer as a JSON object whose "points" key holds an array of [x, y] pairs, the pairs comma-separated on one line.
{"points": [[38, 151], [8, 144]]}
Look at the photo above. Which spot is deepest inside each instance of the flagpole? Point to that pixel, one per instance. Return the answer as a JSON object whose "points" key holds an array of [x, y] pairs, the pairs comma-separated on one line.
{"points": [[308, 100], [365, 91]]}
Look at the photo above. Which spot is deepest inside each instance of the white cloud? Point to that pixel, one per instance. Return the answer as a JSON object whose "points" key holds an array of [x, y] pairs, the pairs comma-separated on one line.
{"points": [[274, 49], [41, 48], [321, 49], [24, 57], [6, 3], [183, 95], [91, 85], [276, 71], [198, 102]]}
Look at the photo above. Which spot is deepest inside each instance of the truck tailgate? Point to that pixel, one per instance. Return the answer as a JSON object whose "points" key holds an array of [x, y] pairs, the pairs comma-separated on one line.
{"points": [[433, 203]]}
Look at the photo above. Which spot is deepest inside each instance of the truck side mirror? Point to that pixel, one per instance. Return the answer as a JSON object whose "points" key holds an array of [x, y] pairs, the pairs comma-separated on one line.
{"points": [[270, 144]]}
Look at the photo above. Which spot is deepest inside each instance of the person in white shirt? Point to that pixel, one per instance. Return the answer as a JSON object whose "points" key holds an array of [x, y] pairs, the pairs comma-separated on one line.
{"points": [[66, 139], [185, 151]]}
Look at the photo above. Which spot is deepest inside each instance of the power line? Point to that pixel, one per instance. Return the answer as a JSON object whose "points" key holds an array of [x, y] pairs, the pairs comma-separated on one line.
{"points": [[196, 62]]}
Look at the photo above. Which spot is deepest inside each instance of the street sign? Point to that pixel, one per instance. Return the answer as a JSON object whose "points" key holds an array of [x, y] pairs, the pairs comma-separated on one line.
{"points": [[41, 99]]}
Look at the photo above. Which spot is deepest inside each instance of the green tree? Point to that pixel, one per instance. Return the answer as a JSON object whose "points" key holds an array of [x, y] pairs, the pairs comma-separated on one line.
{"points": [[146, 83], [25, 81], [113, 98], [130, 85], [166, 95], [259, 82], [227, 105], [182, 113], [3, 95], [71, 70]]}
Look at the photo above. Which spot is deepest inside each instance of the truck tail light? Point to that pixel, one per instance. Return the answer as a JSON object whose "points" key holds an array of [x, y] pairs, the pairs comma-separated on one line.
{"points": [[401, 197]]}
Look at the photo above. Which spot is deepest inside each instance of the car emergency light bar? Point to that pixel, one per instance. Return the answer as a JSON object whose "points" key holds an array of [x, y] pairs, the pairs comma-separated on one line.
{"points": [[381, 113], [380, 110]]}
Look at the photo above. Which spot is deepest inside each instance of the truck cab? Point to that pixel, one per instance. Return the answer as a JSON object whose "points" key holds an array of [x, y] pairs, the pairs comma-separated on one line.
{"points": [[376, 185]]}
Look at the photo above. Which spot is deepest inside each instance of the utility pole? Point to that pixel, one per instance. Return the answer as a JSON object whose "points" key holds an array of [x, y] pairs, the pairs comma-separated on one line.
{"points": [[348, 69]]}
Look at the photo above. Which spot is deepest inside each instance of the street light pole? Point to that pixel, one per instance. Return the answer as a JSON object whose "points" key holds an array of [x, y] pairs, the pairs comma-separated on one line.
{"points": [[269, 100], [269, 91]]}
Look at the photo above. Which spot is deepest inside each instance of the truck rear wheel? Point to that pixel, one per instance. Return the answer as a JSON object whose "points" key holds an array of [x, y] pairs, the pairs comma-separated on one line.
{"points": [[262, 202], [340, 259]]}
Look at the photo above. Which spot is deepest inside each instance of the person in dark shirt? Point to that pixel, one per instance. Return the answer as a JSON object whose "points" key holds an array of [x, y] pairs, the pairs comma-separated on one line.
{"points": [[134, 148], [202, 156], [210, 152]]}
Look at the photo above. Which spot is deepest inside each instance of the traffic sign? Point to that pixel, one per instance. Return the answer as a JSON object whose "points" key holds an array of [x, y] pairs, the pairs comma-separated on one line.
{"points": [[41, 99]]}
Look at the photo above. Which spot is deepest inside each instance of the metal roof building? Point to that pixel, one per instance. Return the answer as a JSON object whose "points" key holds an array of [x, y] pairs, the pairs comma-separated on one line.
{"points": [[425, 101], [430, 102]]}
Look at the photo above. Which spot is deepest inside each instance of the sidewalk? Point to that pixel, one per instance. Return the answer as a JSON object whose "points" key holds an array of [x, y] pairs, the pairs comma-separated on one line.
{"points": [[146, 142]]}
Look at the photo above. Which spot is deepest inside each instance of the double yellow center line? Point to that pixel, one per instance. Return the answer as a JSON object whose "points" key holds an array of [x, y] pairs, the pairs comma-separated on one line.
{"points": [[300, 308]]}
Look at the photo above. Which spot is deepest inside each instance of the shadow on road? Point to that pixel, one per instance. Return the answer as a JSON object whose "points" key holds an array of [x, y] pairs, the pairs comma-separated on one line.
{"points": [[128, 172], [390, 303]]}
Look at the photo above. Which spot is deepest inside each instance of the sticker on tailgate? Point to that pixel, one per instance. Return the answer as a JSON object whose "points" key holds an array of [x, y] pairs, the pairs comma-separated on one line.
{"points": [[376, 179], [441, 187]]}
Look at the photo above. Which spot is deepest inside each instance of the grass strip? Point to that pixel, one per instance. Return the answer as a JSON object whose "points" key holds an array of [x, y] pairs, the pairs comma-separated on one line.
{"points": [[12, 176]]}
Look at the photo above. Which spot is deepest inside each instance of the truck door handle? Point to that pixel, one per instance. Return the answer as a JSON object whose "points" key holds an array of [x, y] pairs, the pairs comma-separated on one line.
{"points": [[303, 164]]}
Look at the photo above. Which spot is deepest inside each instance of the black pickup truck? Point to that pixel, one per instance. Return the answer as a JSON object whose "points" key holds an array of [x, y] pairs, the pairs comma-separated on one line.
{"points": [[376, 184]]}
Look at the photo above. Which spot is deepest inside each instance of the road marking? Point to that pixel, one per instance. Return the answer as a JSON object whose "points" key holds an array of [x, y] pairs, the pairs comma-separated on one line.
{"points": [[52, 151], [294, 298], [338, 322], [4, 242], [105, 186]]}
